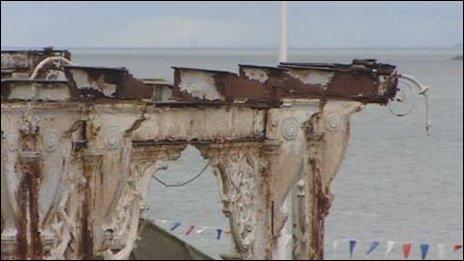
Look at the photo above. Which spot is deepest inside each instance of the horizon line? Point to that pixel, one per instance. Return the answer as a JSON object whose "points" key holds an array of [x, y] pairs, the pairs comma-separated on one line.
{"points": [[231, 47]]}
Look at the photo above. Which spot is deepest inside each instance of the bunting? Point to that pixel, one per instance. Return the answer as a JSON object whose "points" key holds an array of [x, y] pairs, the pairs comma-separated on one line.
{"points": [[219, 233], [334, 247], [189, 230], [352, 245], [407, 249], [424, 250], [457, 247], [390, 245], [372, 247], [200, 231], [441, 251], [176, 225]]}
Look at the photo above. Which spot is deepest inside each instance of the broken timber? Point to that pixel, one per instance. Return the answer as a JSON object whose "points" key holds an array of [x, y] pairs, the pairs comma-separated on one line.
{"points": [[77, 154]]}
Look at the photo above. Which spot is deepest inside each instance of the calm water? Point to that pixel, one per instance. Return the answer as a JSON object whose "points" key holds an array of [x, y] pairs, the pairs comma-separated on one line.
{"points": [[396, 182]]}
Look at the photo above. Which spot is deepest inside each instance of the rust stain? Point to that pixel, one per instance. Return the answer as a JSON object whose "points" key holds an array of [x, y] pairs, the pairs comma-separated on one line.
{"points": [[320, 208], [86, 226], [28, 219], [105, 83], [33, 183], [21, 222]]}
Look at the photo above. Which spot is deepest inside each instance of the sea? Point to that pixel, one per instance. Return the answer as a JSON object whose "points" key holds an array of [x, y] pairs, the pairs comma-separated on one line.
{"points": [[398, 183]]}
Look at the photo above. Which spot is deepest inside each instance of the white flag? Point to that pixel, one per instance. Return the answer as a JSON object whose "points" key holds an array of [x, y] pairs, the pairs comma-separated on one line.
{"points": [[334, 246], [441, 252], [199, 231], [390, 245]]}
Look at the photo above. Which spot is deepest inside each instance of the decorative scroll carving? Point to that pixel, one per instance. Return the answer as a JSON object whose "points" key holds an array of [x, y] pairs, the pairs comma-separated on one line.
{"points": [[51, 139], [333, 122], [128, 204], [8, 207], [63, 235], [238, 170], [300, 222], [11, 142], [290, 128], [112, 137]]}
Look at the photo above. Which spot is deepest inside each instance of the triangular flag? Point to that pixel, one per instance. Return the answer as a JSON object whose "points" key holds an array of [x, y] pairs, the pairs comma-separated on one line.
{"points": [[407, 250], [352, 245], [424, 250], [372, 247], [390, 245], [457, 247], [441, 251], [200, 231], [189, 230], [176, 225], [334, 247], [219, 233]]}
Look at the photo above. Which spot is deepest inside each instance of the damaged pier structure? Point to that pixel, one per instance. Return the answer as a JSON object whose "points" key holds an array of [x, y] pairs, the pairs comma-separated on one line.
{"points": [[79, 144]]}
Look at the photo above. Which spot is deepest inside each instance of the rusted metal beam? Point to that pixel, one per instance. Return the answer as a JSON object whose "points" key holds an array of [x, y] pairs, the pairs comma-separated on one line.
{"points": [[363, 80], [105, 83]]}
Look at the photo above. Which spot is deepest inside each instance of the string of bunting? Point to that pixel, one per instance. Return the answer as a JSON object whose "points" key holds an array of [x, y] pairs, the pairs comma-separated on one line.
{"points": [[406, 248], [191, 228]]}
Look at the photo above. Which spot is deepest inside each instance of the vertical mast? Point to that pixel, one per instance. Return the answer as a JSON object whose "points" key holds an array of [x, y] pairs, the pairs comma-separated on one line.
{"points": [[283, 32], [283, 251]]}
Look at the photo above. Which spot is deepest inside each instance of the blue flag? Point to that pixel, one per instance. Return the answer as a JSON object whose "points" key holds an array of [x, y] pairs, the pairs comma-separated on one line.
{"points": [[176, 225], [424, 250], [372, 247], [219, 233], [352, 244]]}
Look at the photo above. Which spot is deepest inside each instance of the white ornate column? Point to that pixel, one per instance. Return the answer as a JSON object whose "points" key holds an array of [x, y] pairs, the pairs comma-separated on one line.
{"points": [[327, 134]]}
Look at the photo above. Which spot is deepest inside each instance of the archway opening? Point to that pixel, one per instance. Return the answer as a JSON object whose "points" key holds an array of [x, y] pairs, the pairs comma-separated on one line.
{"points": [[184, 199]]}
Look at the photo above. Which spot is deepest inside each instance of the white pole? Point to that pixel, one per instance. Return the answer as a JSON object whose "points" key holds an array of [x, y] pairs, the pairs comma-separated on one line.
{"points": [[283, 250], [283, 32]]}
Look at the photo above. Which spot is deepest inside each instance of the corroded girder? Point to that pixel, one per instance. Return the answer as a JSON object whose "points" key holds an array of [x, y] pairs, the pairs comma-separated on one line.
{"points": [[363, 80]]}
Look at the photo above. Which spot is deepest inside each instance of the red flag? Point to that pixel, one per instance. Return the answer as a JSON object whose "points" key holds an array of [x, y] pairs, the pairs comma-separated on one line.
{"points": [[189, 230], [407, 249], [457, 247]]}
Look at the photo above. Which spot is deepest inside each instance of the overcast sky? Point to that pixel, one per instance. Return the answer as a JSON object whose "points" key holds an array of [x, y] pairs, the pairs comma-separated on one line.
{"points": [[230, 24]]}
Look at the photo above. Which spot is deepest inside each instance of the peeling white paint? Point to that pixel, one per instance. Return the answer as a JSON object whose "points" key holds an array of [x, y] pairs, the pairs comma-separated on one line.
{"points": [[199, 85], [83, 81], [313, 76], [256, 74], [38, 91]]}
